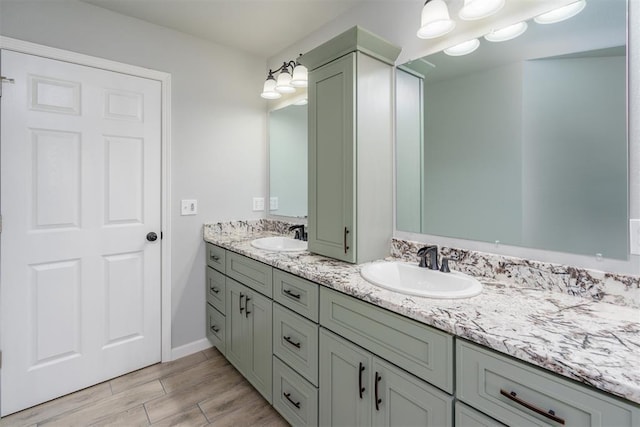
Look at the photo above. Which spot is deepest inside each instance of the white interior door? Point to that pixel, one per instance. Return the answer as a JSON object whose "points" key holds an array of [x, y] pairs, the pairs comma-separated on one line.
{"points": [[80, 190]]}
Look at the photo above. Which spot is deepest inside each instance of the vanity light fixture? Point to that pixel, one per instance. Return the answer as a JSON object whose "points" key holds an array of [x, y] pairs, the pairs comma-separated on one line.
{"points": [[435, 20], [507, 33], [292, 75], [478, 9], [463, 48], [561, 13]]}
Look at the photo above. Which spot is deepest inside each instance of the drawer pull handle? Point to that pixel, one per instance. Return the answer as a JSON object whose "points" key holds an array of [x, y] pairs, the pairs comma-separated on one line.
{"points": [[240, 303], [246, 307], [346, 248], [291, 294], [294, 403], [290, 341], [360, 388], [215, 290], [378, 399], [549, 414], [215, 329], [215, 258]]}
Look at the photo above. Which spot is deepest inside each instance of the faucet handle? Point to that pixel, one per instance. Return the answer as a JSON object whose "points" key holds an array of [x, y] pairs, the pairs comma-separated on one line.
{"points": [[444, 266]]}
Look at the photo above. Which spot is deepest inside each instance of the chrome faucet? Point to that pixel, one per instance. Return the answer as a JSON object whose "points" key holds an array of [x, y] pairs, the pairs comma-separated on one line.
{"points": [[428, 257], [300, 233]]}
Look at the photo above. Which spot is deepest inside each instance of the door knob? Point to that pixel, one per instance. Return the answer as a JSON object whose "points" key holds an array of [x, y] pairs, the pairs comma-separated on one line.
{"points": [[152, 237]]}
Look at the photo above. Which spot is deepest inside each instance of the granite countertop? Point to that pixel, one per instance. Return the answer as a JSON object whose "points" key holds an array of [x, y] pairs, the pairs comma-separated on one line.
{"points": [[592, 342]]}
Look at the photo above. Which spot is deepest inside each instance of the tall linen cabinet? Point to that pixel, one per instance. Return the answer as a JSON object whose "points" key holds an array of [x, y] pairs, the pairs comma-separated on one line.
{"points": [[351, 146]]}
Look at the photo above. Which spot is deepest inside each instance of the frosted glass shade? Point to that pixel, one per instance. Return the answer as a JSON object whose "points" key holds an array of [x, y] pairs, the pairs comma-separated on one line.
{"points": [[269, 89], [463, 48], [561, 13], [507, 33], [478, 9], [283, 84], [300, 76], [435, 20]]}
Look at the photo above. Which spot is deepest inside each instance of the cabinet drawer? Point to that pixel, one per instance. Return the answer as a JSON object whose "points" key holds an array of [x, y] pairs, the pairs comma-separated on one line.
{"points": [[298, 294], [501, 387], [215, 257], [293, 396], [423, 351], [253, 274], [215, 328], [469, 417], [295, 341], [215, 289]]}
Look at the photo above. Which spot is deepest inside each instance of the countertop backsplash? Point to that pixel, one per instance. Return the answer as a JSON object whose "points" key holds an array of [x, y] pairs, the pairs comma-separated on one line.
{"points": [[600, 286]]}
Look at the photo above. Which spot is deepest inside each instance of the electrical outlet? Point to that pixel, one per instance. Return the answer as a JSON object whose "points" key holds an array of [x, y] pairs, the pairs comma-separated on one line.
{"points": [[634, 238], [273, 203], [189, 207], [258, 203]]}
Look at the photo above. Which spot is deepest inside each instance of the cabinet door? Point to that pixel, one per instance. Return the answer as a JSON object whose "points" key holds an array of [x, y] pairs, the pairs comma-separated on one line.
{"points": [[404, 400], [332, 159], [236, 341], [345, 382], [258, 333]]}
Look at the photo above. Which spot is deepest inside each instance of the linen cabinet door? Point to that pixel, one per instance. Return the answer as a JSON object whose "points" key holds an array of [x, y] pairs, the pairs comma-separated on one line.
{"points": [[400, 399], [332, 159], [235, 337], [259, 333], [345, 382]]}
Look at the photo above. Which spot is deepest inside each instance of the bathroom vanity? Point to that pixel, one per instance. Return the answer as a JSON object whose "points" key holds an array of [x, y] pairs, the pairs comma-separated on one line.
{"points": [[342, 351]]}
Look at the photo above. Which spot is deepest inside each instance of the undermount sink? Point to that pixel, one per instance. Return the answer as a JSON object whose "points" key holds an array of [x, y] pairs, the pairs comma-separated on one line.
{"points": [[410, 279], [279, 244]]}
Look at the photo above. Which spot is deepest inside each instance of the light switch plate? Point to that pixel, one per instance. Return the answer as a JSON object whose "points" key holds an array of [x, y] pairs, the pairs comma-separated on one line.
{"points": [[634, 238], [273, 203], [258, 203], [189, 207]]}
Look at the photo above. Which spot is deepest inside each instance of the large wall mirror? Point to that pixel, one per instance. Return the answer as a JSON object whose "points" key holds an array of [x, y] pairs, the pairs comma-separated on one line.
{"points": [[288, 161], [522, 142]]}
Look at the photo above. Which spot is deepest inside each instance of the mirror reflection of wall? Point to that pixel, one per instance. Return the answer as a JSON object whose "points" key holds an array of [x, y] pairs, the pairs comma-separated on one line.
{"points": [[288, 161], [529, 149]]}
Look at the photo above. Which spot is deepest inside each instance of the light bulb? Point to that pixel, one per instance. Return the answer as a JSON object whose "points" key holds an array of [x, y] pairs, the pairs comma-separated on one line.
{"points": [[300, 76], [435, 20], [507, 33], [269, 89], [561, 13], [283, 84], [478, 9], [463, 48]]}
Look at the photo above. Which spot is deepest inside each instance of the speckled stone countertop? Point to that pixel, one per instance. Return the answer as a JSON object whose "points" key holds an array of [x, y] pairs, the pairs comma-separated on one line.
{"points": [[595, 343]]}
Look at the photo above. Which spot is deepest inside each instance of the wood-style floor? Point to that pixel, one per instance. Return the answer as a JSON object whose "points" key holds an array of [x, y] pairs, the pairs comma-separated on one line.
{"points": [[202, 389]]}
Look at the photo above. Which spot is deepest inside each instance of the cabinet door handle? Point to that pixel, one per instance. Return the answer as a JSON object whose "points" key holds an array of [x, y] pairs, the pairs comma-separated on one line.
{"points": [[346, 248], [294, 403], [215, 329], [511, 395], [360, 371], [240, 302], [290, 341], [378, 399], [291, 294], [215, 290], [246, 307]]}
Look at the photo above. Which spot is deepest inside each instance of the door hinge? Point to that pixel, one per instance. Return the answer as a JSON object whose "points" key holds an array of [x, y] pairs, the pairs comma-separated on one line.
{"points": [[4, 79], [161, 235]]}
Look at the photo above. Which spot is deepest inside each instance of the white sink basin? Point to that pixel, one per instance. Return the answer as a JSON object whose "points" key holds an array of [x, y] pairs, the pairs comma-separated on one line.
{"points": [[279, 244], [410, 279]]}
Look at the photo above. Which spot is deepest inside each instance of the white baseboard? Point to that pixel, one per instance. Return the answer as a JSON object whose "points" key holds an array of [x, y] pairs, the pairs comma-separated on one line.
{"points": [[192, 347]]}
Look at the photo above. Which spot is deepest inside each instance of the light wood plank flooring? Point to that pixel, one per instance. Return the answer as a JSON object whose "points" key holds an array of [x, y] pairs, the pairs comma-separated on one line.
{"points": [[202, 389]]}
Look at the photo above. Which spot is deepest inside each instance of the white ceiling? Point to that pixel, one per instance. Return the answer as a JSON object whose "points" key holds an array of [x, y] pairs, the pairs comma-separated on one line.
{"points": [[261, 27]]}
